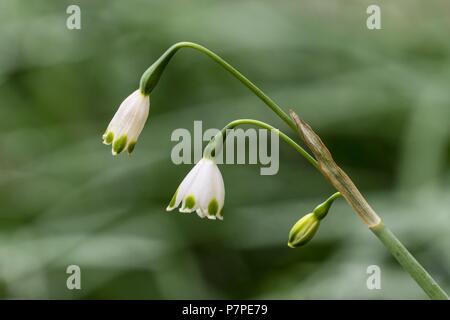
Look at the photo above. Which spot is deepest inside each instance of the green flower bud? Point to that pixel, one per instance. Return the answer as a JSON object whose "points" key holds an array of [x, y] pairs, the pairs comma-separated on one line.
{"points": [[305, 228], [303, 231]]}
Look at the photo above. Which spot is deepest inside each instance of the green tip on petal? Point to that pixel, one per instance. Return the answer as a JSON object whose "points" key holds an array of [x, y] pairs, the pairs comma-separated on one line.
{"points": [[172, 202], [190, 202], [213, 207], [119, 144], [131, 146], [108, 137]]}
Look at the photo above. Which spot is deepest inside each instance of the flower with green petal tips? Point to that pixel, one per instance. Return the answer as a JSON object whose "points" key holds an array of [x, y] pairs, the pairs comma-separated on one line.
{"points": [[128, 122], [202, 191]]}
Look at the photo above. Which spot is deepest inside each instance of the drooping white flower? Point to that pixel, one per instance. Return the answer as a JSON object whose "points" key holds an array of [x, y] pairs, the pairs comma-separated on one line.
{"points": [[202, 190], [128, 122]]}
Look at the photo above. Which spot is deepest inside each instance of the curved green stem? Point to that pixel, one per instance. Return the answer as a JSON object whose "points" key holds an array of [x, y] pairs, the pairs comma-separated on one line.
{"points": [[334, 196], [210, 149], [322, 209], [152, 75]]}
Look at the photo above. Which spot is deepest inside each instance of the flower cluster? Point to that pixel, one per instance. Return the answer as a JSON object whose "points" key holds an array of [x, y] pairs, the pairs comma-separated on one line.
{"points": [[202, 190]]}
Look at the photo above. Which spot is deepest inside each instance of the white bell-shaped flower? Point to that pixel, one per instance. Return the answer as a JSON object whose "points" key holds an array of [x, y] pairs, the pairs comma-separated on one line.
{"points": [[202, 190], [128, 122]]}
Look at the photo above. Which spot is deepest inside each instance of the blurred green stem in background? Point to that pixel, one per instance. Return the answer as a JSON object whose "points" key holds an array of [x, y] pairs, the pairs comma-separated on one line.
{"points": [[150, 79]]}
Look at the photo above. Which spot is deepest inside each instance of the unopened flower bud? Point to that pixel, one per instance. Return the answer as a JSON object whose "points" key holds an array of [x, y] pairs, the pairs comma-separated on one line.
{"points": [[303, 231], [305, 228]]}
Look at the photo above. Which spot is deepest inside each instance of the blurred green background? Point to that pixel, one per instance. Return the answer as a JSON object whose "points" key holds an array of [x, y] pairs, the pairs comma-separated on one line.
{"points": [[380, 100]]}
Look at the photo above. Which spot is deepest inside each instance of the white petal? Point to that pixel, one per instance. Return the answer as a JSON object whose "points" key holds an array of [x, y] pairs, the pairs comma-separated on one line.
{"points": [[197, 188], [186, 183], [201, 212], [207, 191], [138, 118], [219, 190], [133, 117], [117, 120]]}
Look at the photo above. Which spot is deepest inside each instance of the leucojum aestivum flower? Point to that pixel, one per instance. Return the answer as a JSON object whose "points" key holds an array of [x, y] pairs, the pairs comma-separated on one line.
{"points": [[202, 191], [128, 122]]}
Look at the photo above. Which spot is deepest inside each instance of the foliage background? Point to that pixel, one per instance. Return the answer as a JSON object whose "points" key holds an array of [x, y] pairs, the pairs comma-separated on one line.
{"points": [[380, 99]]}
